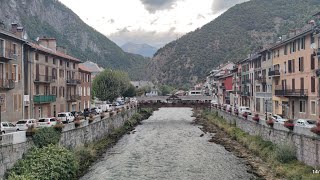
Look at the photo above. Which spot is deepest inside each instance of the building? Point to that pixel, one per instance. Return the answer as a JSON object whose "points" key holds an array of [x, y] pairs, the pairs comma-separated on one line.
{"points": [[295, 81], [11, 68], [85, 87], [52, 79]]}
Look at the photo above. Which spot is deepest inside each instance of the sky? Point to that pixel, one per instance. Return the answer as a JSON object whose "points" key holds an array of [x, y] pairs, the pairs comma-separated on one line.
{"points": [[154, 22]]}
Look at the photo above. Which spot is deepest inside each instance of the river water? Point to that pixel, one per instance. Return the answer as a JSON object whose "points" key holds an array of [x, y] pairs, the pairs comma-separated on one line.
{"points": [[168, 146]]}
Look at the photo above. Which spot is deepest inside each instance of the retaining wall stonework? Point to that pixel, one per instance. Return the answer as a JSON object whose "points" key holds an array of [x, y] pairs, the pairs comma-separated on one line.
{"points": [[14, 145], [305, 142]]}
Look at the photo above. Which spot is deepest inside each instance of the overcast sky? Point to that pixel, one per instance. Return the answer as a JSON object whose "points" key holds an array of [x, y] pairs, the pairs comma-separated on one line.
{"points": [[155, 22]]}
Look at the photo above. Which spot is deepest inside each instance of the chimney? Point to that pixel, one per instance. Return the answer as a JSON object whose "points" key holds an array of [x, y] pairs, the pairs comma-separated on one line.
{"points": [[50, 43], [14, 27], [62, 49]]}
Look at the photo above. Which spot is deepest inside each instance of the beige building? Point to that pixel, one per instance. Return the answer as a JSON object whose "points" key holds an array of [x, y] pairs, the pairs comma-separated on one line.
{"points": [[295, 83], [52, 79], [11, 79]]}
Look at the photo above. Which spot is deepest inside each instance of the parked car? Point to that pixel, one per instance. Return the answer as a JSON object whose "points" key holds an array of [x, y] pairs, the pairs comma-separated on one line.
{"points": [[65, 117], [47, 122], [116, 105], [278, 119], [308, 123], [98, 110], [87, 112], [8, 127], [247, 111], [77, 113], [243, 109], [24, 124]]}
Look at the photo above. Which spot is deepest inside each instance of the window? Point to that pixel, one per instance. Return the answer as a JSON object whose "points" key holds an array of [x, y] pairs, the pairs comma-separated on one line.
{"points": [[37, 56], [67, 64], [15, 73], [289, 66], [312, 62], [298, 41], [303, 43], [15, 49], [293, 67], [88, 91], [17, 102], [61, 64], [302, 106], [312, 38], [293, 84], [46, 58], [61, 73], [88, 76], [313, 107], [37, 89], [313, 84], [258, 104], [3, 106], [286, 49], [80, 91], [74, 65], [301, 64], [54, 73], [294, 46], [54, 61], [54, 90], [285, 67], [276, 105], [269, 55], [84, 91]]}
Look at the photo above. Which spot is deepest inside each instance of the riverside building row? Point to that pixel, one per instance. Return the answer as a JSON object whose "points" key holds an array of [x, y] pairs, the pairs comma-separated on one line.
{"points": [[282, 79], [38, 79]]}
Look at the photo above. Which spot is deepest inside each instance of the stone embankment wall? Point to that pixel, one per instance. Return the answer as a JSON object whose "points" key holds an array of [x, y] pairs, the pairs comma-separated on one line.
{"points": [[305, 142], [14, 145]]}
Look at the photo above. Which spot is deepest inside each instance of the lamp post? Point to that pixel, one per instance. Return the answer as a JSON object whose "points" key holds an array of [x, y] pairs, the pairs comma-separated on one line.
{"points": [[266, 102], [1, 102]]}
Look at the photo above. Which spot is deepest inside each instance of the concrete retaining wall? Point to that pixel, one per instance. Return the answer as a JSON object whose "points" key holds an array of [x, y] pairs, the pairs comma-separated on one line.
{"points": [[305, 142], [14, 145]]}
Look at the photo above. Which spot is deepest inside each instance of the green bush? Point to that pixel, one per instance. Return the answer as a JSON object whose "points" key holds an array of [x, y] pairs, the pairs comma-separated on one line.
{"points": [[85, 157], [137, 116], [50, 162], [146, 112], [285, 153], [45, 136]]}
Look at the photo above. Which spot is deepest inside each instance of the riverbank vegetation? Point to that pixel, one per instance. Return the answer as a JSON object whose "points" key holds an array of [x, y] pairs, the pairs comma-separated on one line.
{"points": [[280, 158], [49, 160]]}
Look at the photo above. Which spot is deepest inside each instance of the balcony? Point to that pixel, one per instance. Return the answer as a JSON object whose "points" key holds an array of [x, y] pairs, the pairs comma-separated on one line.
{"points": [[44, 79], [246, 81], [73, 82], [244, 93], [7, 55], [262, 80], [291, 92], [44, 99], [274, 73], [7, 84], [73, 98]]}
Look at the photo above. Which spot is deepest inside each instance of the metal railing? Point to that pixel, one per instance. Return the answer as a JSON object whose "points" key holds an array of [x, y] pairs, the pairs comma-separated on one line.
{"points": [[73, 81], [7, 84], [73, 98], [274, 73], [7, 54], [291, 92], [43, 99], [44, 79]]}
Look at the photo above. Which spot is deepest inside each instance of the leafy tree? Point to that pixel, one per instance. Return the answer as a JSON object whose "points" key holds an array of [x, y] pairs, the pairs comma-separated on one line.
{"points": [[130, 92], [110, 84], [165, 89]]}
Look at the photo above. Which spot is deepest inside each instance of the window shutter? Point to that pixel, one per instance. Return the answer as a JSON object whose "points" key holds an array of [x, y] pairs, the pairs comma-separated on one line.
{"points": [[13, 72], [19, 72], [20, 102], [7, 71]]}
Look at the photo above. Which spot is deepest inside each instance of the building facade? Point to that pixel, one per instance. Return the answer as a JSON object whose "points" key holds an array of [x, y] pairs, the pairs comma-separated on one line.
{"points": [[85, 87], [52, 79], [11, 79]]}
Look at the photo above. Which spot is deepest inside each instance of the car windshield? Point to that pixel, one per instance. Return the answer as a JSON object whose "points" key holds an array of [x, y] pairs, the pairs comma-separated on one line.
{"points": [[311, 122], [21, 122], [61, 115], [43, 120]]}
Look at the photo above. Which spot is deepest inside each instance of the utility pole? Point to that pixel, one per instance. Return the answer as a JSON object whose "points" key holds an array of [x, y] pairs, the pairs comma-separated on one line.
{"points": [[1, 102]]}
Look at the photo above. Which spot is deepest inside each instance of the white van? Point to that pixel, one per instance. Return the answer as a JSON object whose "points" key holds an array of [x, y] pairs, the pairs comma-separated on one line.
{"points": [[106, 107], [65, 117], [243, 109]]}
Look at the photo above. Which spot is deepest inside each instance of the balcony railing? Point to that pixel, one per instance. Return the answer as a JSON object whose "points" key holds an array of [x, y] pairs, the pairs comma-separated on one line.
{"points": [[274, 73], [44, 99], [291, 92], [7, 55], [7, 84], [73, 98], [246, 81], [44, 79], [245, 93], [262, 80], [73, 81]]}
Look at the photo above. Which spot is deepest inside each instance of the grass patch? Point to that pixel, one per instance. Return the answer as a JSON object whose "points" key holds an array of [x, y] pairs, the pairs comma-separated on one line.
{"points": [[281, 158]]}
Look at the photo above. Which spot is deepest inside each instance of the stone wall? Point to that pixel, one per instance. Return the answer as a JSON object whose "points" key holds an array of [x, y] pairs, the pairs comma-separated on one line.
{"points": [[305, 142], [14, 145]]}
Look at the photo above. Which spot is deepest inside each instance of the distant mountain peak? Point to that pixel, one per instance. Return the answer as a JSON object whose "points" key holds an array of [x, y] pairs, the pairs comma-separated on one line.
{"points": [[141, 49]]}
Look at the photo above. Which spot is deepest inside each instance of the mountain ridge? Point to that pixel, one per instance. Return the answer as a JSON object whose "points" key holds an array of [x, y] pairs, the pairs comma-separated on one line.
{"points": [[143, 49]]}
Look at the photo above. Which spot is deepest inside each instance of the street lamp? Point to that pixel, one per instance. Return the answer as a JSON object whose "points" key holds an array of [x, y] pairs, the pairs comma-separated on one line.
{"points": [[266, 102], [1, 102]]}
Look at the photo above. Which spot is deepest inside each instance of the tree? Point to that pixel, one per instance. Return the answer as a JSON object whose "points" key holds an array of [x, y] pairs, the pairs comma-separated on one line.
{"points": [[165, 89], [110, 84], [130, 92]]}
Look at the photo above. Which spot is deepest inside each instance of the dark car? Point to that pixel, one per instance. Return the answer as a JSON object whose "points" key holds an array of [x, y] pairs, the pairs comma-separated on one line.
{"points": [[76, 114], [87, 112]]}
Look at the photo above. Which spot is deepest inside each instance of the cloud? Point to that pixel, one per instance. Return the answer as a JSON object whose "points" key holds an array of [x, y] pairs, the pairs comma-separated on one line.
{"points": [[140, 36], [111, 21], [220, 5], [157, 5]]}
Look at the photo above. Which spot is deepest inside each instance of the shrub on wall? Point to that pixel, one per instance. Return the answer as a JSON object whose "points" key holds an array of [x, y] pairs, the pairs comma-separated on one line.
{"points": [[285, 153], [50, 162], [45, 136], [146, 112]]}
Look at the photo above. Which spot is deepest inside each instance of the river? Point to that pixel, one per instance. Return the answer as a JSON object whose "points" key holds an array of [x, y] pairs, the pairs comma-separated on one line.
{"points": [[168, 146]]}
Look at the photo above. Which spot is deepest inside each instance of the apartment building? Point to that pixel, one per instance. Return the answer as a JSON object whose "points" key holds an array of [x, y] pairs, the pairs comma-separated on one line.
{"points": [[85, 87], [295, 83], [246, 90], [52, 79], [11, 67]]}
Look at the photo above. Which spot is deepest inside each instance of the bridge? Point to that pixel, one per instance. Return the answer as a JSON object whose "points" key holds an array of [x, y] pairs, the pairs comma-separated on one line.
{"points": [[175, 101]]}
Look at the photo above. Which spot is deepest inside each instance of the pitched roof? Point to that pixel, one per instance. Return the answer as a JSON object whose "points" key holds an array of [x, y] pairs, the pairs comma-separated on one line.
{"points": [[84, 68], [50, 51]]}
